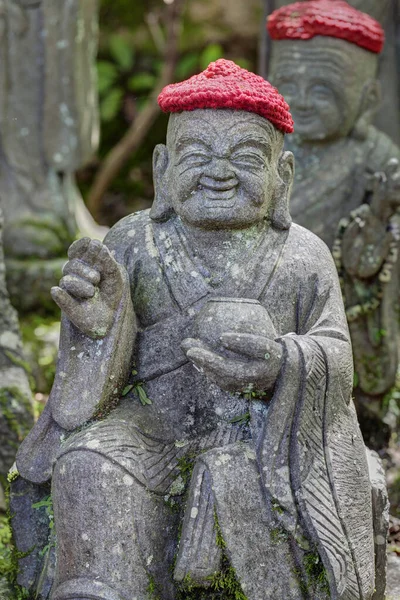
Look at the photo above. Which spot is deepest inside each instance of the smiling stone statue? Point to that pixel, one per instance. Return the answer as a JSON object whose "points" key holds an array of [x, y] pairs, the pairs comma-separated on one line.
{"points": [[200, 434]]}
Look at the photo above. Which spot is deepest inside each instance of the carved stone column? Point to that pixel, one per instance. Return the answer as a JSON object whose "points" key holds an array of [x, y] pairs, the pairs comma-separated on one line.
{"points": [[48, 129]]}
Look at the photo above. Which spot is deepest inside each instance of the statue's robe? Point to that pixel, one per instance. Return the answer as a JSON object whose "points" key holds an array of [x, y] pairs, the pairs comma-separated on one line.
{"points": [[289, 486], [333, 179]]}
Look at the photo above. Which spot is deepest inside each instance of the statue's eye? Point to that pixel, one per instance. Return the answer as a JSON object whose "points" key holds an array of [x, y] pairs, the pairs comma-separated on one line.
{"points": [[248, 159], [194, 159], [321, 92], [288, 89]]}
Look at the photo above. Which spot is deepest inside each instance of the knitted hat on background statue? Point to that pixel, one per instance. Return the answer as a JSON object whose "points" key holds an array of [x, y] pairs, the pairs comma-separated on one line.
{"points": [[226, 85], [331, 18]]}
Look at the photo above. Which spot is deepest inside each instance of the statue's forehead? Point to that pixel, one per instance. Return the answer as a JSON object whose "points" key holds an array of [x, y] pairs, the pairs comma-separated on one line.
{"points": [[211, 123], [326, 56]]}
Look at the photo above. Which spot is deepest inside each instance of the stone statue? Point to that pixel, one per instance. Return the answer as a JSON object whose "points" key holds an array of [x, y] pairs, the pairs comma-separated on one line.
{"points": [[347, 182], [48, 129], [15, 395], [200, 436], [387, 118]]}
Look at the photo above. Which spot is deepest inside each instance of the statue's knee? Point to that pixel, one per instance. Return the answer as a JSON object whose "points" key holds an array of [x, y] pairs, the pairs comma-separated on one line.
{"points": [[81, 465]]}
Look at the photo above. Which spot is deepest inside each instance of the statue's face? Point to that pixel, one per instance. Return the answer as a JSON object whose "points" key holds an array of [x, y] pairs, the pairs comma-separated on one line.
{"points": [[222, 167], [323, 80]]}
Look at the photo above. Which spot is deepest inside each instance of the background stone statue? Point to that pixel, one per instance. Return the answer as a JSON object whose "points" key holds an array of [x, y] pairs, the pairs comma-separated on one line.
{"points": [[387, 12], [347, 181], [204, 382], [15, 395], [48, 128]]}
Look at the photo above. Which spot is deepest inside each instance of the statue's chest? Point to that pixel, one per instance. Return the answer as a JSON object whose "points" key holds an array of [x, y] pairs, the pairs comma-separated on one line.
{"points": [[327, 189]]}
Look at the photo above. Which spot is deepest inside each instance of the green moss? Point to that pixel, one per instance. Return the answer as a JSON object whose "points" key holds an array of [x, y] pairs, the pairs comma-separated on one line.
{"points": [[223, 585], [152, 589], [313, 578], [13, 474], [15, 421], [185, 466], [9, 557], [40, 335], [277, 535], [219, 538], [276, 507], [227, 583]]}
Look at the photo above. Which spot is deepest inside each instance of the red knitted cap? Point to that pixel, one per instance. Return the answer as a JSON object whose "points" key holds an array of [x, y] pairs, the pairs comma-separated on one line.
{"points": [[333, 18], [226, 85]]}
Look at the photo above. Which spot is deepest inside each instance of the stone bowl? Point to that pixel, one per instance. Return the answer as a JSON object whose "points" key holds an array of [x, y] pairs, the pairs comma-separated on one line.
{"points": [[241, 315]]}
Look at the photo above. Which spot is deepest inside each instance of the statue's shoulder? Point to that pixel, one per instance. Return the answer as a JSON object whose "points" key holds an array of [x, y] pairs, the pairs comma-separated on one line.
{"points": [[308, 250], [382, 149], [128, 233]]}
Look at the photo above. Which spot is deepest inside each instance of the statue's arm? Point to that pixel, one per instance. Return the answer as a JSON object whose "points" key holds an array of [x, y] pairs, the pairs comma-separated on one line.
{"points": [[97, 335]]}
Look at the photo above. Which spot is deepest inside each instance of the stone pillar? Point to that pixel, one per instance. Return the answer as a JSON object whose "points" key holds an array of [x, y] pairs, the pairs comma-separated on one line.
{"points": [[48, 129], [15, 396]]}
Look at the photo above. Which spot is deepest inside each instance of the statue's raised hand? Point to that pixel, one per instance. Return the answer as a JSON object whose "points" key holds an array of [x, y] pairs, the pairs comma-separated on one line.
{"points": [[91, 287]]}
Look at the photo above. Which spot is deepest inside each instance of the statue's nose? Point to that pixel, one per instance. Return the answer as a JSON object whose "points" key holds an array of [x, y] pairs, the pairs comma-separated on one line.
{"points": [[220, 170]]}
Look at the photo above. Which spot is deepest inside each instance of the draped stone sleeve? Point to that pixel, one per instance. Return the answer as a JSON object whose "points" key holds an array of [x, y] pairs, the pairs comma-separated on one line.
{"points": [[312, 456], [90, 377]]}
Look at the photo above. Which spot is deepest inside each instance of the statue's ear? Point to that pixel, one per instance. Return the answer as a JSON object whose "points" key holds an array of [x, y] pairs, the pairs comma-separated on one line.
{"points": [[162, 207], [370, 102], [280, 216]]}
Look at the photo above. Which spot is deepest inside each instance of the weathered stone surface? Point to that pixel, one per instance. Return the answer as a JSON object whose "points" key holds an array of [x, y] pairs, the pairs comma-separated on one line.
{"points": [[200, 436], [386, 12], [347, 191], [380, 508], [393, 577], [15, 396], [31, 508], [47, 47]]}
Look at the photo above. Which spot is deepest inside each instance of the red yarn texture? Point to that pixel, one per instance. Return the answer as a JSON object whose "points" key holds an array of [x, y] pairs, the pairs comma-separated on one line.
{"points": [[333, 18], [226, 85]]}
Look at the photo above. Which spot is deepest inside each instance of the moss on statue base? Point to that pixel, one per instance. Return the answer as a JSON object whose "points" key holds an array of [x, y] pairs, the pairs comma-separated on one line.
{"points": [[9, 566], [313, 578], [223, 585]]}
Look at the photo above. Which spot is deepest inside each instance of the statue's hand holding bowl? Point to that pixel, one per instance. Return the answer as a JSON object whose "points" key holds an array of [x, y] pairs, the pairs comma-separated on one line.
{"points": [[91, 287], [234, 345]]}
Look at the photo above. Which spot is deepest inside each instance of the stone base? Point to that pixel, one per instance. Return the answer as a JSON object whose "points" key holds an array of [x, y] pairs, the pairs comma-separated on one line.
{"points": [[29, 283]]}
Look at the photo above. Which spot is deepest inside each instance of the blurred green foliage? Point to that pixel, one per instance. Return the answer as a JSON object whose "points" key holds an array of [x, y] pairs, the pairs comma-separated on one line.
{"points": [[130, 59]]}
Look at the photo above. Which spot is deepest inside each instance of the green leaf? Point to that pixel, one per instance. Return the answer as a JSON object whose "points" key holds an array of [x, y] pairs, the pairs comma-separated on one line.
{"points": [[141, 82], [187, 66], [122, 52], [143, 396], [127, 389], [111, 104], [106, 75], [210, 54], [46, 502], [241, 418]]}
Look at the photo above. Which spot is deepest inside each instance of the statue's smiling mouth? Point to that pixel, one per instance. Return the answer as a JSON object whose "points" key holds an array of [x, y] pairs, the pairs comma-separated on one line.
{"points": [[219, 193], [305, 116]]}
